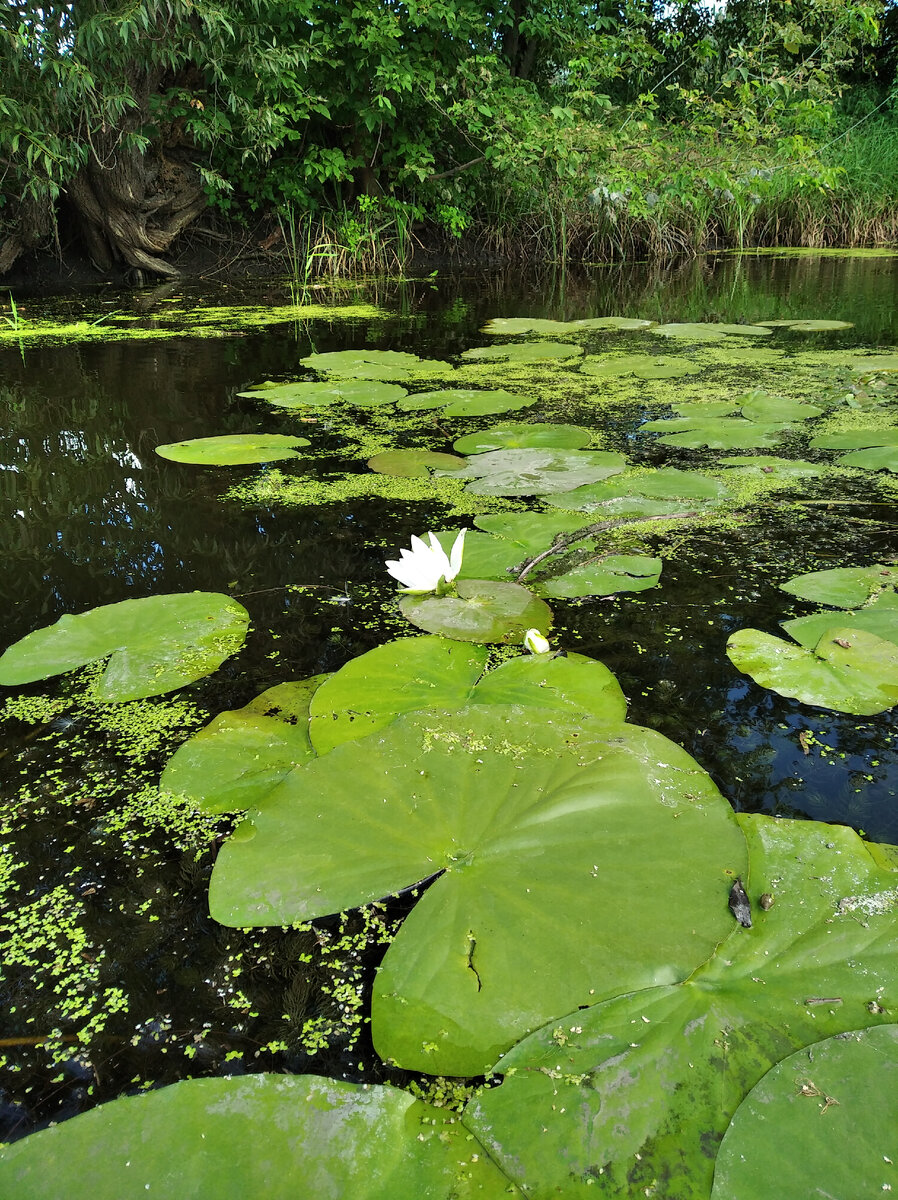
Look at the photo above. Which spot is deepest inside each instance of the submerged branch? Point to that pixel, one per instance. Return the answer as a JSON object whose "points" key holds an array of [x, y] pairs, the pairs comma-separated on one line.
{"points": [[563, 541]]}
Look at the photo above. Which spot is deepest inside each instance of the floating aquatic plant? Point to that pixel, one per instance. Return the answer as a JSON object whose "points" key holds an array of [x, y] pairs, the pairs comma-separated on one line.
{"points": [[234, 449]]}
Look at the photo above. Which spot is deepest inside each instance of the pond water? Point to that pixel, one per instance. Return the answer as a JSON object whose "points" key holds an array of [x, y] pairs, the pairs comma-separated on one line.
{"points": [[119, 979]]}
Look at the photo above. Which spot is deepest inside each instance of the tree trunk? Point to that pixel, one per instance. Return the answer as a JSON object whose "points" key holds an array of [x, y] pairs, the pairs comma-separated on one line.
{"points": [[131, 206]]}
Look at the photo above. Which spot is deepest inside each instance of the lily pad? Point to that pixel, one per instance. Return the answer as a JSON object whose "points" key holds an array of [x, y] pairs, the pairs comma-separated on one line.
{"points": [[876, 363], [843, 587], [766, 409], [777, 1144], [546, 830], [483, 611], [530, 531], [715, 433], [523, 352], [522, 436], [237, 759], [467, 402], [810, 325], [771, 465], [877, 458], [417, 673], [848, 670], [880, 616], [303, 394], [645, 366], [705, 408], [277, 1136], [375, 364], [614, 573], [234, 449], [514, 325], [412, 464], [708, 331], [536, 472], [856, 439], [154, 645], [642, 1087]]}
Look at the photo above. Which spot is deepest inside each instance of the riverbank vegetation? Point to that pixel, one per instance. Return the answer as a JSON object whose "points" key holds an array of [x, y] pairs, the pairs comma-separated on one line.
{"points": [[349, 138]]}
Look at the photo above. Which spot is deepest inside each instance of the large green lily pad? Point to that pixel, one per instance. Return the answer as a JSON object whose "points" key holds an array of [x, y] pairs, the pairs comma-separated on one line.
{"points": [[645, 493], [536, 472], [467, 402], [410, 674], [521, 352], [613, 573], [810, 325], [876, 363], [877, 458], [521, 436], [880, 616], [708, 331], [856, 439], [818, 1124], [715, 433], [644, 366], [843, 587], [396, 365], [154, 645], [363, 393], [765, 409], [272, 1136], [482, 611], [531, 531], [770, 464], [552, 835], [234, 449], [615, 1099], [541, 325], [237, 759], [849, 669], [413, 464]]}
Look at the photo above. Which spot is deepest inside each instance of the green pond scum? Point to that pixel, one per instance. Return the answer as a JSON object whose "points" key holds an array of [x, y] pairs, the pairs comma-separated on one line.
{"points": [[160, 940]]}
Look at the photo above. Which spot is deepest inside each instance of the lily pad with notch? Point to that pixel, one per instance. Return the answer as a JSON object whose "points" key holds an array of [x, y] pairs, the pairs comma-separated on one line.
{"points": [[236, 760], [708, 331], [809, 325], [395, 365], [414, 463], [467, 402], [534, 820], [843, 587], [523, 436], [234, 449], [411, 674], [540, 325], [363, 393], [523, 352], [848, 670], [879, 616], [642, 1087], [536, 472], [154, 645], [260, 1135], [482, 611], [613, 573], [777, 1144], [714, 433]]}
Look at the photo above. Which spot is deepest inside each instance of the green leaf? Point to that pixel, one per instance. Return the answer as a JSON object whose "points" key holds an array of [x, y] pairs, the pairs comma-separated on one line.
{"points": [[236, 760], [277, 1136], [816, 325], [540, 325], [531, 531], [536, 472], [483, 611], [399, 677], [375, 364], [641, 1088], [877, 458], [856, 439], [708, 331], [614, 573], [880, 617], [523, 352], [769, 409], [522, 436], [715, 433], [843, 587], [301, 394], [411, 464], [156, 644], [848, 670], [771, 465], [546, 828], [467, 402], [233, 449], [820, 1124]]}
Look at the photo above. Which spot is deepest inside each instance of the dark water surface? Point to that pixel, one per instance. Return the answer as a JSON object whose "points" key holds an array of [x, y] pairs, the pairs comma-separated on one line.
{"points": [[90, 515]]}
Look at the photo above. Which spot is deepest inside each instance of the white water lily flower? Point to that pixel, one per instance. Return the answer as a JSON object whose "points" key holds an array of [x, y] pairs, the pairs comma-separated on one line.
{"points": [[424, 567], [535, 642]]}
